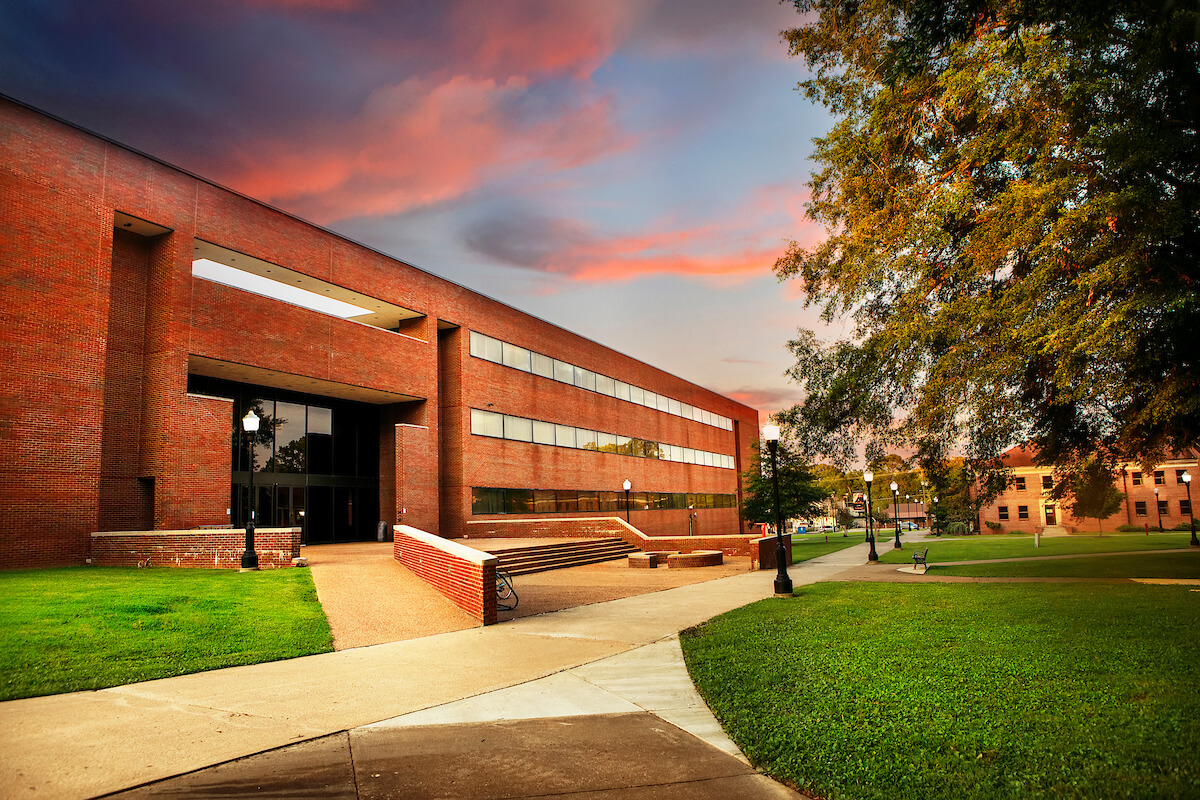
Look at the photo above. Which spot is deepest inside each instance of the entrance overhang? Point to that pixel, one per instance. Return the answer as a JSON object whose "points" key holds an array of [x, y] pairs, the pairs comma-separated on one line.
{"points": [[304, 384]]}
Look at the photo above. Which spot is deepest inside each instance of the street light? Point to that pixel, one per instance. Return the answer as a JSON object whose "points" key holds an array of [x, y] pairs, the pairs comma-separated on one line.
{"points": [[936, 530], [249, 557], [783, 584], [871, 556], [896, 509], [1187, 481], [627, 486], [1158, 508]]}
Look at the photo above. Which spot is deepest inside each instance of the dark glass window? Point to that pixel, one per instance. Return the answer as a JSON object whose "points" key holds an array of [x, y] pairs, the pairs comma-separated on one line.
{"points": [[589, 501], [1162, 507], [518, 501], [567, 501], [544, 502], [487, 501], [1022, 512], [1185, 507], [1160, 477], [291, 428], [1003, 510], [1136, 478], [1047, 481], [1139, 508], [1019, 483], [1179, 473]]}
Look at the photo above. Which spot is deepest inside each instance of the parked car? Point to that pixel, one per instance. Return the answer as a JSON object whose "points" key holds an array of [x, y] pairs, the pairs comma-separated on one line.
{"points": [[909, 526], [828, 528]]}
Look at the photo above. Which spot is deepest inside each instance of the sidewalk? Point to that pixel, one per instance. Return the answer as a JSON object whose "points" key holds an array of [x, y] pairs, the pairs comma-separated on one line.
{"points": [[91, 743]]}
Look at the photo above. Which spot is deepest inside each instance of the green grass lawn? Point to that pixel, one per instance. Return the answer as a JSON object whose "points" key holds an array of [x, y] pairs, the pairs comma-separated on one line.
{"points": [[1135, 565], [985, 547], [811, 545], [860, 690], [64, 630]]}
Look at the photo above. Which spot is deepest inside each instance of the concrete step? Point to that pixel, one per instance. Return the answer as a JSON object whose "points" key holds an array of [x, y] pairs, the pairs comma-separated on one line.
{"points": [[541, 558]]}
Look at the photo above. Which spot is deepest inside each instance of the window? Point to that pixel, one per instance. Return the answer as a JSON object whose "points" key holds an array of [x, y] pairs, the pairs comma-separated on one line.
{"points": [[1022, 512], [1003, 511], [1160, 477], [585, 379], [564, 436], [621, 390], [543, 432], [1185, 507], [649, 399], [1019, 483], [585, 439], [487, 501], [1162, 507], [517, 357], [518, 429], [564, 373], [486, 347], [518, 501], [1136, 478], [637, 395], [485, 423], [1179, 473], [673, 407], [1139, 508], [543, 365], [1047, 481], [606, 385]]}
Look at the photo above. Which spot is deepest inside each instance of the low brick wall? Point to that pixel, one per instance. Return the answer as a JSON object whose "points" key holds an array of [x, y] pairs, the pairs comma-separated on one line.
{"points": [[698, 558], [760, 550], [219, 548], [465, 576]]}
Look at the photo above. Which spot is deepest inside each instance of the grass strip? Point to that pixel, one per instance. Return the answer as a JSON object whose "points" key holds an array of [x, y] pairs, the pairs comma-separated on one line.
{"points": [[70, 629], [807, 547], [1134, 565], [948, 690], [985, 547]]}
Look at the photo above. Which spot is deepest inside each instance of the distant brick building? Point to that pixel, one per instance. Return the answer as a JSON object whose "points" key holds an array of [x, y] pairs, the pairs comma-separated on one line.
{"points": [[1026, 504], [129, 359]]}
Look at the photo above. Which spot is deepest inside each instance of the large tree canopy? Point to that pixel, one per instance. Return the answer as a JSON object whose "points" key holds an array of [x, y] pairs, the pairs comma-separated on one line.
{"points": [[1012, 200]]}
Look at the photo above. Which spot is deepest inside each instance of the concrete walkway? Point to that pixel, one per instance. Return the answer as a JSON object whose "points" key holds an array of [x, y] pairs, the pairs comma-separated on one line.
{"points": [[91, 743]]}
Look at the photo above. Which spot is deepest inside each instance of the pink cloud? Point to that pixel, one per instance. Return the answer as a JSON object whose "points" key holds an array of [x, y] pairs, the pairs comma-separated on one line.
{"points": [[418, 143]]}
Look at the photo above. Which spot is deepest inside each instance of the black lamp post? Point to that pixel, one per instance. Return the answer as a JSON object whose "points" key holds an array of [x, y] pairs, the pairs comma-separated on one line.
{"points": [[1158, 508], [627, 486], [896, 510], [1187, 481], [871, 556], [783, 583], [936, 532], [249, 557]]}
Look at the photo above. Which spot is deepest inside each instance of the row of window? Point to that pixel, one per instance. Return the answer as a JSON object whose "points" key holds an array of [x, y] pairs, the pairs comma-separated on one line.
{"points": [[1160, 477], [1139, 508], [1047, 482], [520, 429], [558, 501], [509, 355]]}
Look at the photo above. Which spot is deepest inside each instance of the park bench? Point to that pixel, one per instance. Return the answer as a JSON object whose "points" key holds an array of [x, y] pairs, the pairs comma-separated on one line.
{"points": [[919, 558]]}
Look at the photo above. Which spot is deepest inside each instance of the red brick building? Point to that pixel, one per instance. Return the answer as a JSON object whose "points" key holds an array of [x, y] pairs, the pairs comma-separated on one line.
{"points": [[1026, 504], [129, 359]]}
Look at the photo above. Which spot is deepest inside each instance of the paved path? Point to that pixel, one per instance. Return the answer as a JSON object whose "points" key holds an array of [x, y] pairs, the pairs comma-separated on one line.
{"points": [[90, 743]]}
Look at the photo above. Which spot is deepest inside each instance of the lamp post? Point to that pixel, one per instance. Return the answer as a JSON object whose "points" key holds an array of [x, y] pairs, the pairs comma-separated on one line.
{"points": [[936, 530], [896, 510], [1158, 508], [249, 557], [871, 556], [783, 584], [1187, 481], [627, 486]]}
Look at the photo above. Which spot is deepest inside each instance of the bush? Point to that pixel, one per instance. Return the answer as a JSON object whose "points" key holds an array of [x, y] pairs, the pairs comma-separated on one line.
{"points": [[1130, 529], [1183, 526], [995, 526], [1017, 532]]}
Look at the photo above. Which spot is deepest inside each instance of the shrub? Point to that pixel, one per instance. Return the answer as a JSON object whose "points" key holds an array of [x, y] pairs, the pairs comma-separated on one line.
{"points": [[995, 526], [1183, 526], [1130, 528]]}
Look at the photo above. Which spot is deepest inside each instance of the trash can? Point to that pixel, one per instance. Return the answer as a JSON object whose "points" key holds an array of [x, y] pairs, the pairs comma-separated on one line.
{"points": [[382, 532]]}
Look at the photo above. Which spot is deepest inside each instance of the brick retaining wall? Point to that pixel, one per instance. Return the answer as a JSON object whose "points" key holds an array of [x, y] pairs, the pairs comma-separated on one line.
{"points": [[205, 549], [467, 577]]}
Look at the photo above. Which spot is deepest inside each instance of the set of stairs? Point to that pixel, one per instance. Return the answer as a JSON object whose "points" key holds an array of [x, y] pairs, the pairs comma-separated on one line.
{"points": [[559, 555]]}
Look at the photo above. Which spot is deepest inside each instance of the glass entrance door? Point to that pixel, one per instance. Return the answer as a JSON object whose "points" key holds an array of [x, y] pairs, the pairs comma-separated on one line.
{"points": [[1050, 516]]}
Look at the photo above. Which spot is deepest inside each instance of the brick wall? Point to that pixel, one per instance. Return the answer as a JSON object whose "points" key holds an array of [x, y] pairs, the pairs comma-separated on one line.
{"points": [[204, 549], [466, 576]]}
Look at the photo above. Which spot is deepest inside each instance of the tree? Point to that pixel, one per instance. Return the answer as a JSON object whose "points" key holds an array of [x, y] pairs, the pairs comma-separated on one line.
{"points": [[1012, 195], [1094, 492], [799, 493]]}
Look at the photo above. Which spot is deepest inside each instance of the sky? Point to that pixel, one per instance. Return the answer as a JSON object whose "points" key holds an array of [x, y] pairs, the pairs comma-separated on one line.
{"points": [[626, 169]]}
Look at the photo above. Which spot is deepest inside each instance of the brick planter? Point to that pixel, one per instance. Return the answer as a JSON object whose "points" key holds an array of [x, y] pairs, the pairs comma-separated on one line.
{"points": [[220, 548], [696, 558]]}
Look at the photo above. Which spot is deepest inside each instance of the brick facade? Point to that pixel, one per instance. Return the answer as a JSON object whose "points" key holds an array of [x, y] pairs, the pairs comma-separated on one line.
{"points": [[1026, 491], [204, 549], [103, 325]]}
